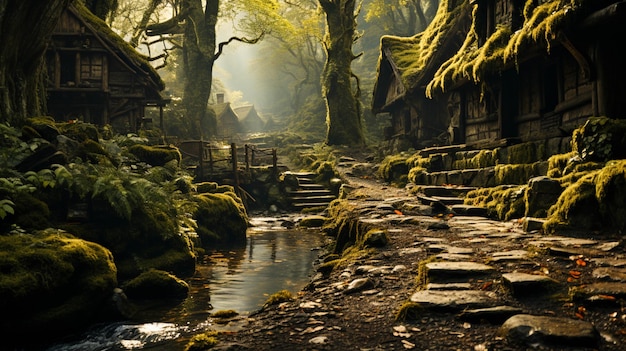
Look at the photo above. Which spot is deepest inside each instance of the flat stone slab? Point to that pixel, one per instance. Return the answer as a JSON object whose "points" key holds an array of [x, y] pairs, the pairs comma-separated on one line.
{"points": [[605, 291], [528, 284], [549, 331], [468, 210], [610, 274], [449, 286], [513, 255], [443, 270], [497, 314], [454, 300]]}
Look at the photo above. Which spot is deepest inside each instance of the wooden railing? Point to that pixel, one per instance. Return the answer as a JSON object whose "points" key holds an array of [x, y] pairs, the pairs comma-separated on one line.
{"points": [[218, 160]]}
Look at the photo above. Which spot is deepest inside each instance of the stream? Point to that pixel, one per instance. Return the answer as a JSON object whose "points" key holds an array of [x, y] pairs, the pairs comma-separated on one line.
{"points": [[240, 279]]}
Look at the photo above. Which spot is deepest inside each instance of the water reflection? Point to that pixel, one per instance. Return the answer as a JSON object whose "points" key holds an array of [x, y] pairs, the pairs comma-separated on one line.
{"points": [[239, 279]]}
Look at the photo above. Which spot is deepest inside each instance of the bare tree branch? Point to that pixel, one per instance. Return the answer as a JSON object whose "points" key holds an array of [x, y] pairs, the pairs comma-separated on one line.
{"points": [[242, 40]]}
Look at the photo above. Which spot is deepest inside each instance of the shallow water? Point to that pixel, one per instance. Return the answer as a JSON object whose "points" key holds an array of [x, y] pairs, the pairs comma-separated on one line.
{"points": [[240, 279]]}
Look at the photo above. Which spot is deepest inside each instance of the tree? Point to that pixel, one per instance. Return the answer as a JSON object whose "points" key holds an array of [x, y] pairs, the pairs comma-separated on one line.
{"points": [[200, 48], [401, 17], [343, 108], [24, 29]]}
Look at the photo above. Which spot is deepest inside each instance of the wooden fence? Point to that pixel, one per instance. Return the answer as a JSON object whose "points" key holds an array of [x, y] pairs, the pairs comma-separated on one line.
{"points": [[219, 161]]}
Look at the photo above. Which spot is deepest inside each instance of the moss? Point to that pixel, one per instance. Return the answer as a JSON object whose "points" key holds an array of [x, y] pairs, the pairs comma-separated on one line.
{"points": [[413, 55], [201, 342], [474, 62], [278, 297], [408, 311], [392, 167], [79, 131], [206, 187], [611, 194], [221, 218], [418, 175], [503, 202], [522, 153], [30, 212], [312, 221], [156, 284], [155, 156], [516, 173], [558, 163], [52, 282], [484, 158], [224, 314], [328, 266], [577, 207]]}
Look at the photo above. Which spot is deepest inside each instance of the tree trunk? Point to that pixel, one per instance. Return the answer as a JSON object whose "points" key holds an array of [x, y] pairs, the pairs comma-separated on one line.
{"points": [[343, 109], [199, 56], [25, 26]]}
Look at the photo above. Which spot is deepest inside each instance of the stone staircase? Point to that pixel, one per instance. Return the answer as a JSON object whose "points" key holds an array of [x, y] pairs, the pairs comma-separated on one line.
{"points": [[309, 194]]}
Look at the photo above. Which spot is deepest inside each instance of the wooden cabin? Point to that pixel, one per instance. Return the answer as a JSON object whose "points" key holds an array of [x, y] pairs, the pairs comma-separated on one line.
{"points": [[228, 125], [96, 77], [249, 118], [488, 72]]}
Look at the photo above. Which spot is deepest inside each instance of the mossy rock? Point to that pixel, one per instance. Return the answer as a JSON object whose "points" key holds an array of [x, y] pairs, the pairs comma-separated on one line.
{"points": [[312, 221], [52, 282], [155, 155], [79, 131], [156, 284], [393, 167], [221, 218], [44, 127], [577, 207], [600, 139], [503, 202]]}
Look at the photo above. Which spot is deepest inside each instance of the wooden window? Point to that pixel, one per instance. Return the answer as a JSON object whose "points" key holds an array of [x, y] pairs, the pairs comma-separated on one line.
{"points": [[91, 67]]}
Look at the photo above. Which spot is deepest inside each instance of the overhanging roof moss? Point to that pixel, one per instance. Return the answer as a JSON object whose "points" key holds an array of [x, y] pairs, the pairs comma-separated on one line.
{"points": [[117, 43], [413, 55], [542, 26]]}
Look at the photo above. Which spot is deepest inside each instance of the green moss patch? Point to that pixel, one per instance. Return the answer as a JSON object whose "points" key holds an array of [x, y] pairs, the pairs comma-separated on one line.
{"points": [[503, 202], [156, 284], [155, 155], [221, 218], [52, 281]]}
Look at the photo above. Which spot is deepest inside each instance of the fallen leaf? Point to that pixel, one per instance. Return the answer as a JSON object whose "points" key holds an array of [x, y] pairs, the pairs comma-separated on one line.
{"points": [[575, 274], [398, 212], [486, 285]]}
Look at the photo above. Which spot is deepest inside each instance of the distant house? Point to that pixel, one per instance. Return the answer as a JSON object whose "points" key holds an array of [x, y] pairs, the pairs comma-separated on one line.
{"points": [[489, 72], [96, 77], [228, 124], [250, 120]]}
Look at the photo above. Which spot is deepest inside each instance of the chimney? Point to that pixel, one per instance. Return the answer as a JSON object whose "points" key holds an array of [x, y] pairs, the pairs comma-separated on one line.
{"points": [[220, 98]]}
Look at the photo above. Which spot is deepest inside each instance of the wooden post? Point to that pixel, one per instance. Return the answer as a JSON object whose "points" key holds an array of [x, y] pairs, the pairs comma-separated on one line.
{"points": [[201, 158], [246, 147], [210, 158], [275, 163], [233, 148]]}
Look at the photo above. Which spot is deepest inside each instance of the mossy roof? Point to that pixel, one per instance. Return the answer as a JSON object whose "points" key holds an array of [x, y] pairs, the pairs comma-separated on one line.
{"points": [[414, 58], [117, 43]]}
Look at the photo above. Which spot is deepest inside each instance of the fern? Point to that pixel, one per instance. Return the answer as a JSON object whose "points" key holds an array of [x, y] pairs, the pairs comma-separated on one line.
{"points": [[6, 207]]}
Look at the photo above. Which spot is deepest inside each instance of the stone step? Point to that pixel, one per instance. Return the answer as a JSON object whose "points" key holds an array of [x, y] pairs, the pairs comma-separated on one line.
{"points": [[448, 191], [301, 206], [313, 199]]}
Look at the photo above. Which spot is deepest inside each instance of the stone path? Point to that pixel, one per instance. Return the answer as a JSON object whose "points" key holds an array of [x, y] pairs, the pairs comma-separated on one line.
{"points": [[454, 281]]}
